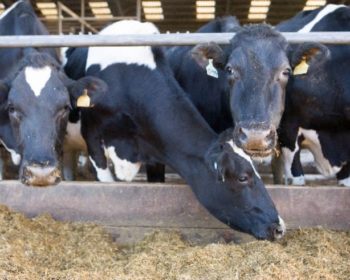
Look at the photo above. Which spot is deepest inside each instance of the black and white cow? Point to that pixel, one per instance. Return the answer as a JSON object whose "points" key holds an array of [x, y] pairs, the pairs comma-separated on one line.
{"points": [[19, 19], [35, 97], [147, 114], [249, 91], [318, 101]]}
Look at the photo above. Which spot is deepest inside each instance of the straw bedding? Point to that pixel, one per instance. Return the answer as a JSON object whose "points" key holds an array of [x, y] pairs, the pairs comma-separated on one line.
{"points": [[43, 248]]}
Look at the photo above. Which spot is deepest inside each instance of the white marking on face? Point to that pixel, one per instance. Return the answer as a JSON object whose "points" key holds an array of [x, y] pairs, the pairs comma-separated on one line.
{"points": [[242, 154], [344, 182], [123, 169], [73, 138], [313, 144], [15, 157], [323, 13], [37, 78], [105, 56], [103, 174], [283, 227], [7, 11]]}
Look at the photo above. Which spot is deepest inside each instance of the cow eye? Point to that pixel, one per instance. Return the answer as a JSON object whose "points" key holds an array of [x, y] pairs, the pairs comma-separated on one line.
{"points": [[14, 113], [243, 178], [11, 109], [231, 71], [287, 72]]}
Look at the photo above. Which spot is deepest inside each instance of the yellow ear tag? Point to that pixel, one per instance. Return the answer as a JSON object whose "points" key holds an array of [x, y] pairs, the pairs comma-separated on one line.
{"points": [[301, 68], [84, 100]]}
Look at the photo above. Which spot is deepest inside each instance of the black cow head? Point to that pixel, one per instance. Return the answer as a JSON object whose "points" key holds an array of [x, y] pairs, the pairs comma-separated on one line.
{"points": [[38, 98], [253, 211], [257, 69]]}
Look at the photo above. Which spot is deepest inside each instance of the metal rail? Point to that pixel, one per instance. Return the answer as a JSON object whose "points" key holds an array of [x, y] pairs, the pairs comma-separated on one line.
{"points": [[156, 39]]}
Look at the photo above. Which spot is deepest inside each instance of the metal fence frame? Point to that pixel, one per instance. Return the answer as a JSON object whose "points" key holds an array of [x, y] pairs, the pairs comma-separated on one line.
{"points": [[157, 39]]}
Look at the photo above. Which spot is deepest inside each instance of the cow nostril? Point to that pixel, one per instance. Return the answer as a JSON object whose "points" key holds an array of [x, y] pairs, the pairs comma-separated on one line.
{"points": [[278, 231]]}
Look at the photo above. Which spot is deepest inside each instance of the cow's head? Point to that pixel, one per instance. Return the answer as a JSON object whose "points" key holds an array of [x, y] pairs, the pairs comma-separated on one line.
{"points": [[257, 68], [249, 207], [38, 98]]}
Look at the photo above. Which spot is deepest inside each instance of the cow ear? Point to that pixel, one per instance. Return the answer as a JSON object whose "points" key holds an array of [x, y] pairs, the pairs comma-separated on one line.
{"points": [[203, 53], [304, 55], [87, 91]]}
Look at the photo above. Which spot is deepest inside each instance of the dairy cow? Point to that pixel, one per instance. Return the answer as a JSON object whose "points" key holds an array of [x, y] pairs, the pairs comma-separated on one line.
{"points": [[18, 19], [318, 99], [246, 90], [35, 99], [146, 117]]}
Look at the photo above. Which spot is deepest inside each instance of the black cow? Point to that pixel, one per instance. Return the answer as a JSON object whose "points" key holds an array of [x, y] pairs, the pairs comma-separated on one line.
{"points": [[157, 122], [35, 99], [249, 92], [318, 101]]}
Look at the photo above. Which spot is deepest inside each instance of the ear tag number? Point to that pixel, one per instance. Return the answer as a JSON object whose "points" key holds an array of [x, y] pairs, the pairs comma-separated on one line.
{"points": [[84, 100], [211, 70], [301, 68]]}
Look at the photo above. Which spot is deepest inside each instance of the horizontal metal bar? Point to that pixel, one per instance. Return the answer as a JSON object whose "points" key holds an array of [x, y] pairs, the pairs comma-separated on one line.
{"points": [[156, 39], [92, 19]]}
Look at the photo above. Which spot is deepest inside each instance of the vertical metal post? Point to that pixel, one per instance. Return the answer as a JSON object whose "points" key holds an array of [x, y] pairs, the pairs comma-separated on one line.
{"points": [[138, 10], [60, 16], [82, 14]]}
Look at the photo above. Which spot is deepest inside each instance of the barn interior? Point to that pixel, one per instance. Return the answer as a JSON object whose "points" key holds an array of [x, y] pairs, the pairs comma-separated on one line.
{"points": [[85, 16]]}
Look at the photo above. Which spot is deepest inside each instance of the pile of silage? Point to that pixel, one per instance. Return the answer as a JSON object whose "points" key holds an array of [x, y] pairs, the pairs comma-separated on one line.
{"points": [[43, 248]]}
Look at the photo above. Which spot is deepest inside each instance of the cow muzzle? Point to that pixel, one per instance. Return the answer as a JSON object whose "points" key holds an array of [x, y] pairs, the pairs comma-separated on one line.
{"points": [[256, 141], [41, 176], [277, 230]]}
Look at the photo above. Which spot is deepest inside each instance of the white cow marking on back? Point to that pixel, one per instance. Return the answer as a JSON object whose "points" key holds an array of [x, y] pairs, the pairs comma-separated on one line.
{"points": [[7, 11], [242, 154], [324, 12], [123, 169], [37, 78], [105, 56]]}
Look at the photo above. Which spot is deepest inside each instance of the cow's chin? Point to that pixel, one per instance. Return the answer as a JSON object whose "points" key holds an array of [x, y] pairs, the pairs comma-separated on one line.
{"points": [[42, 181], [259, 153]]}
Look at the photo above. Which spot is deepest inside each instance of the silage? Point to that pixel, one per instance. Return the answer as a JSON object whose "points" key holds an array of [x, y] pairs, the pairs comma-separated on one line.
{"points": [[43, 248]]}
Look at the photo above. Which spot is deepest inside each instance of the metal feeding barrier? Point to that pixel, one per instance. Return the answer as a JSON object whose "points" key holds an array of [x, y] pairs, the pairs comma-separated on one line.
{"points": [[157, 39]]}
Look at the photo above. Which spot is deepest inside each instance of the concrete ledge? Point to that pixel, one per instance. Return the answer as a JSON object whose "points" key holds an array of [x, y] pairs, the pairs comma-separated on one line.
{"points": [[128, 208]]}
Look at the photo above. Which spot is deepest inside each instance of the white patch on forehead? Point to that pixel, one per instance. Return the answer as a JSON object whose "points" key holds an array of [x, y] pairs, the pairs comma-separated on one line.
{"points": [[37, 78], [123, 169], [323, 13], [7, 11], [103, 174], [242, 154], [16, 158], [105, 56]]}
